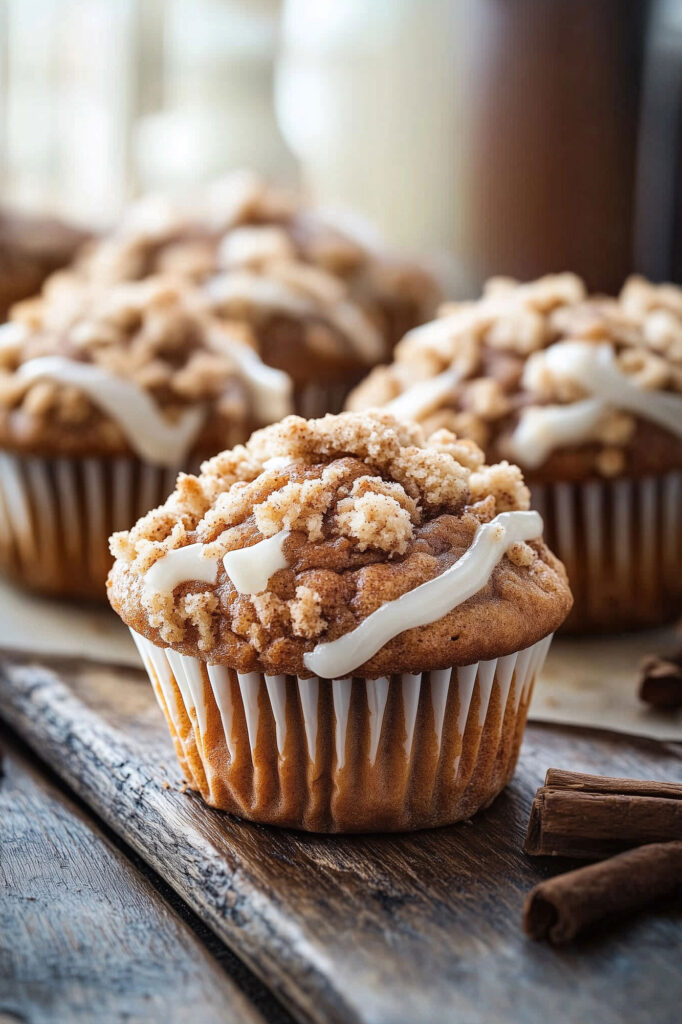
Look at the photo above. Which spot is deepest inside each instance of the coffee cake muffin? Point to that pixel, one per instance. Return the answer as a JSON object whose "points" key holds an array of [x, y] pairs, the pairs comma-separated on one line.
{"points": [[342, 623], [319, 304], [585, 394], [98, 417]]}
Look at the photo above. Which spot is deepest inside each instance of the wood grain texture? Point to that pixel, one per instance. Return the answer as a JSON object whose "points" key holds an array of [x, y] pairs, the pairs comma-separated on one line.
{"points": [[380, 929], [83, 936]]}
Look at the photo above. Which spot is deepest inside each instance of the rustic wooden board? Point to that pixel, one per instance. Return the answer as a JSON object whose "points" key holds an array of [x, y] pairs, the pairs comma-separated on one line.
{"points": [[83, 936], [418, 928]]}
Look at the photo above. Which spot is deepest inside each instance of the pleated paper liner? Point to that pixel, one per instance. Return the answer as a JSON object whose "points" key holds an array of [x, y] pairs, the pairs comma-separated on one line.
{"points": [[621, 543], [56, 516], [346, 755]]}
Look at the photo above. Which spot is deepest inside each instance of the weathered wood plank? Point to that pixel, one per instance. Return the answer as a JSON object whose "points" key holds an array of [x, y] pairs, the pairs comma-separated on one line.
{"points": [[377, 929], [83, 936]]}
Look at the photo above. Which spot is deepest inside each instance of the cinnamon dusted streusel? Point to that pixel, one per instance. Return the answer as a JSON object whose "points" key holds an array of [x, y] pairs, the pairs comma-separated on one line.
{"points": [[372, 511], [497, 351], [155, 334]]}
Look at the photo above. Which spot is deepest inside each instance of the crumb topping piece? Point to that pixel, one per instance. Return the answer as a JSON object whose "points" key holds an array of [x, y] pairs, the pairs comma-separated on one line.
{"points": [[372, 506]]}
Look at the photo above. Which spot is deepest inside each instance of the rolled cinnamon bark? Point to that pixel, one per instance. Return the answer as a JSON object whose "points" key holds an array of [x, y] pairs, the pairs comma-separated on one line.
{"points": [[592, 817], [559, 778], [562, 907]]}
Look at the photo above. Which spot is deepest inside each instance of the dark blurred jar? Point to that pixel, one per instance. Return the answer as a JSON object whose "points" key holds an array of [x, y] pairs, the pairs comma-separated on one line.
{"points": [[553, 91]]}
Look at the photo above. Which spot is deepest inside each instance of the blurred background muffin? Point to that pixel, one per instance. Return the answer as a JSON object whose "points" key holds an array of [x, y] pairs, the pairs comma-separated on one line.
{"points": [[342, 622], [321, 303], [585, 393]]}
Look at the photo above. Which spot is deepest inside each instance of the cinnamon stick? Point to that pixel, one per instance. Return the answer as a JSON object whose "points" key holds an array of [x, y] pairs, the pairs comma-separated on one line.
{"points": [[559, 778], [592, 817], [562, 907]]}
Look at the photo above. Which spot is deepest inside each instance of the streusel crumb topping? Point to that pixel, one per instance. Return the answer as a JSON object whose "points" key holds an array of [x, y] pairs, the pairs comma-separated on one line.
{"points": [[495, 353], [372, 509], [156, 334]]}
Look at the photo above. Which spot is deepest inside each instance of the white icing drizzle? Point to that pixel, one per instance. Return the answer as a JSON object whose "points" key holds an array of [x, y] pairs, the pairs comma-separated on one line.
{"points": [[257, 289], [428, 602], [594, 368], [270, 389], [423, 397], [147, 431], [271, 294], [248, 568], [251, 568], [179, 566], [351, 321], [542, 428]]}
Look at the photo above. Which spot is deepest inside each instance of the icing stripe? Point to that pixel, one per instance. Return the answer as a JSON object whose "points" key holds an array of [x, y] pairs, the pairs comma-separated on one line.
{"points": [[594, 368], [424, 397], [178, 566], [541, 429], [272, 295], [251, 568], [146, 430], [248, 568], [428, 602], [271, 390]]}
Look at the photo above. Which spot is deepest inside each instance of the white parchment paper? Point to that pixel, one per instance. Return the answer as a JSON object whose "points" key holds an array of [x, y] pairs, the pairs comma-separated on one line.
{"points": [[45, 626], [593, 681]]}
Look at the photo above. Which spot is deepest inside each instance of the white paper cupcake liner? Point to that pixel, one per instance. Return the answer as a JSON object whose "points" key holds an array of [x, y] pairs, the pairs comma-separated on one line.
{"points": [[621, 543], [404, 752], [56, 516]]}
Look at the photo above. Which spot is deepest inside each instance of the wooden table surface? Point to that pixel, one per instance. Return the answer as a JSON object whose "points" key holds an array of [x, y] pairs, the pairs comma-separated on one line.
{"points": [[123, 901]]}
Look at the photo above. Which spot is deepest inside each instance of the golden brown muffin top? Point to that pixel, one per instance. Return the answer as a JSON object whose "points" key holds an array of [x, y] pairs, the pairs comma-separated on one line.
{"points": [[361, 509], [614, 365], [147, 358]]}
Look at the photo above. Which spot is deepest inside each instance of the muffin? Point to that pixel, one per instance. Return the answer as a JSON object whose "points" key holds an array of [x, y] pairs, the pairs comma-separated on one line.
{"points": [[585, 394], [31, 248], [342, 623], [98, 417], [321, 304]]}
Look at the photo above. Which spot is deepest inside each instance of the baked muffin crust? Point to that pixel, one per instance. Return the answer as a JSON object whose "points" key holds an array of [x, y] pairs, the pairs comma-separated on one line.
{"points": [[366, 510]]}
